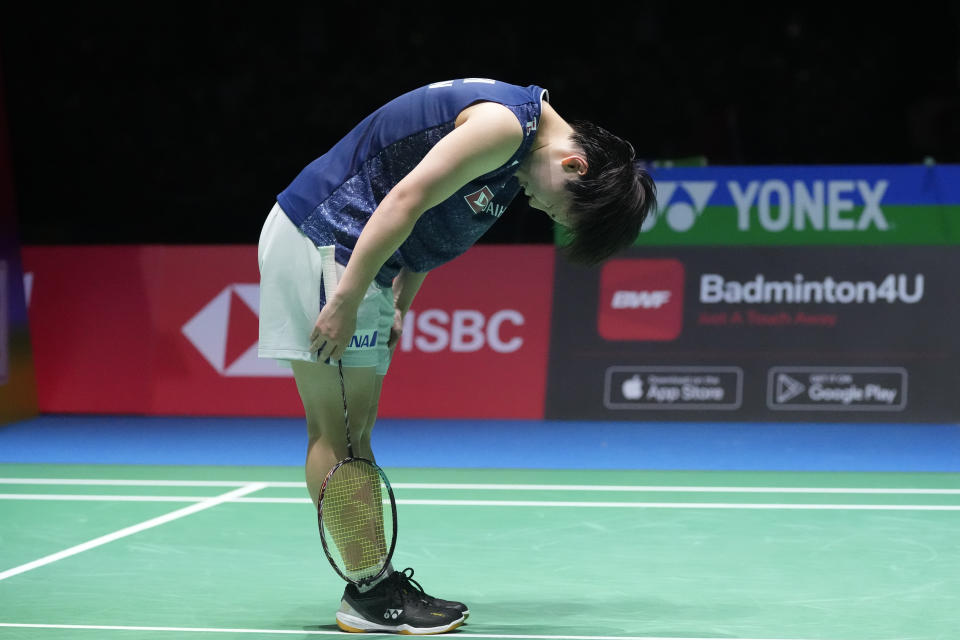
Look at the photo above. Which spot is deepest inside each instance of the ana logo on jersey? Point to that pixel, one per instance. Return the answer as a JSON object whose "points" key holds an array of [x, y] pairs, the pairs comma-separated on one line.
{"points": [[481, 201]]}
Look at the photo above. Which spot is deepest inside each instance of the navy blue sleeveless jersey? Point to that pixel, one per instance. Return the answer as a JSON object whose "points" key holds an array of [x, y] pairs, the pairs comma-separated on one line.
{"points": [[334, 196]]}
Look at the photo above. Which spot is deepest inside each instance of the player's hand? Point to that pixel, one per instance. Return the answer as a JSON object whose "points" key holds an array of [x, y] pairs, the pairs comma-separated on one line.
{"points": [[335, 326], [396, 330]]}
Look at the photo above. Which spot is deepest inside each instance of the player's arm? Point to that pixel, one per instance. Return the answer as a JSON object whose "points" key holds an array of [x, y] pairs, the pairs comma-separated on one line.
{"points": [[405, 288], [485, 139]]}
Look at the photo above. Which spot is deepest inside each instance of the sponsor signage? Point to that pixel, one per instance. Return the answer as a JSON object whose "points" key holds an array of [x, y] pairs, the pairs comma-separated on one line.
{"points": [[173, 331], [805, 205], [693, 388], [640, 299], [837, 388], [759, 333], [476, 341]]}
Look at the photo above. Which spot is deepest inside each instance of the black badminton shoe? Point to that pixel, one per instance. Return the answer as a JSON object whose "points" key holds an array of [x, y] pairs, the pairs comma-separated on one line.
{"points": [[446, 604], [395, 605]]}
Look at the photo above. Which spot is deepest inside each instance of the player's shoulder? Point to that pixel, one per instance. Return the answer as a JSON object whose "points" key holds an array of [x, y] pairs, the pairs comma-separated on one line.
{"points": [[492, 117]]}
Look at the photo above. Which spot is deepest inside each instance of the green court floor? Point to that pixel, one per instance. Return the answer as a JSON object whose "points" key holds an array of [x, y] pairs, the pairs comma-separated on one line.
{"points": [[124, 552]]}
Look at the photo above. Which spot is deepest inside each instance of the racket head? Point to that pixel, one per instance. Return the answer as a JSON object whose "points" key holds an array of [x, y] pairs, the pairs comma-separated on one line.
{"points": [[357, 517]]}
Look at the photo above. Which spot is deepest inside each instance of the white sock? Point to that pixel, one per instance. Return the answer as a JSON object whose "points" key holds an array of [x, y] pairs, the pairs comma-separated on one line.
{"points": [[383, 576]]}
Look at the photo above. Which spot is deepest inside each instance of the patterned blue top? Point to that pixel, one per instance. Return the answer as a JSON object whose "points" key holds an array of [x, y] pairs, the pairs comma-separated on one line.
{"points": [[334, 196]]}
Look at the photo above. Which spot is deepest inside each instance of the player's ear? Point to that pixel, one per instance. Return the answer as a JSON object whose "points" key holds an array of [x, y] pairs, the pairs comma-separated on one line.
{"points": [[575, 163]]}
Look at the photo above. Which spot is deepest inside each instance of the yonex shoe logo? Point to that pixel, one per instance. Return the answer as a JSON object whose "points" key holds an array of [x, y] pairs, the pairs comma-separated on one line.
{"points": [[683, 213], [392, 614]]}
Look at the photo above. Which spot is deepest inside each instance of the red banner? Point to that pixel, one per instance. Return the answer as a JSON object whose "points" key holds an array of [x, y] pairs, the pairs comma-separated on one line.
{"points": [[169, 330]]}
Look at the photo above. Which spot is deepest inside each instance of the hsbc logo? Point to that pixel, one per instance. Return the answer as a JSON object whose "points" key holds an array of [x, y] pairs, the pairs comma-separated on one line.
{"points": [[226, 332], [481, 201], [641, 299]]}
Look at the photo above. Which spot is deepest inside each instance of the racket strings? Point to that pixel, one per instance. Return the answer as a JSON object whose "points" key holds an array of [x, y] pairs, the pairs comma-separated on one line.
{"points": [[353, 516]]}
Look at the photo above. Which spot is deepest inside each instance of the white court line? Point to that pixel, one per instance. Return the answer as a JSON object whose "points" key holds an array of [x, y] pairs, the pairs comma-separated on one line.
{"points": [[681, 505], [98, 497], [97, 482], [485, 486], [663, 489], [503, 503], [128, 531], [319, 632]]}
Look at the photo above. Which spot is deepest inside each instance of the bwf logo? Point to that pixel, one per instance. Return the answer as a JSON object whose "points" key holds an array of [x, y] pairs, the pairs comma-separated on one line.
{"points": [[641, 299], [680, 213]]}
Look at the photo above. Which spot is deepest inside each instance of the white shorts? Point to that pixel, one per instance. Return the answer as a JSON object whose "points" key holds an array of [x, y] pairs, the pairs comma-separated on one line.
{"points": [[290, 301]]}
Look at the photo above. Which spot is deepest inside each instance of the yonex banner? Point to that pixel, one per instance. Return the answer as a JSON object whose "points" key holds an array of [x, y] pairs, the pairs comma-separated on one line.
{"points": [[765, 334], [173, 330], [806, 205]]}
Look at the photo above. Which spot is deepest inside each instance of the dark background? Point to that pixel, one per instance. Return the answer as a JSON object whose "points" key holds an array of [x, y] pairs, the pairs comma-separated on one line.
{"points": [[171, 122]]}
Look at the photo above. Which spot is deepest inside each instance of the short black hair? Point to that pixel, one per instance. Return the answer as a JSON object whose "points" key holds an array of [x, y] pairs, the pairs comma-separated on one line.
{"points": [[611, 200]]}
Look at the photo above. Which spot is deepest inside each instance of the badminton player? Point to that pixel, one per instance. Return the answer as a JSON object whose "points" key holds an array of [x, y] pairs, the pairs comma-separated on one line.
{"points": [[412, 186]]}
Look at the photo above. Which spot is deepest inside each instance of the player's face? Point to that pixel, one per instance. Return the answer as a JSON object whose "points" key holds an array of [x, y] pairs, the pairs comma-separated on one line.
{"points": [[551, 198], [544, 180]]}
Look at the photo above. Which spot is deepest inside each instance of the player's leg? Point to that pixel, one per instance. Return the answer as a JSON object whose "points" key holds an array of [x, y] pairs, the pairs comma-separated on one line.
{"points": [[364, 446], [319, 387]]}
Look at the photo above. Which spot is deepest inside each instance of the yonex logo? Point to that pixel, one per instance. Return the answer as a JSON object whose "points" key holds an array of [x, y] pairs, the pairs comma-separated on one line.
{"points": [[681, 213], [392, 614], [775, 205]]}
